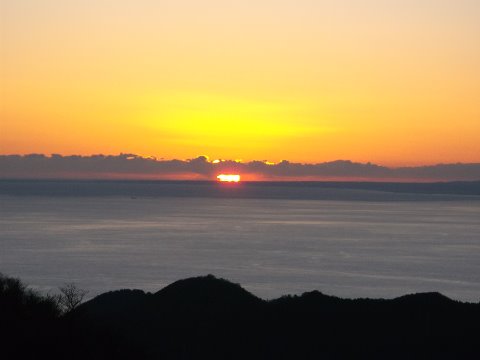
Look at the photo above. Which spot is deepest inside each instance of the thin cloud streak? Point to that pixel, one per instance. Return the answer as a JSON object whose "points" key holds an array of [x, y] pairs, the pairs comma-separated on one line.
{"points": [[131, 166]]}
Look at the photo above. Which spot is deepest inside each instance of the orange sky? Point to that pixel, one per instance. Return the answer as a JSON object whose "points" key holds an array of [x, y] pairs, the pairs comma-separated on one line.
{"points": [[391, 82]]}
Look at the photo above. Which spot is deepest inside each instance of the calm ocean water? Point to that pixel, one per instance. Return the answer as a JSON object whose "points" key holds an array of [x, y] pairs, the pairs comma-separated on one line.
{"points": [[269, 246]]}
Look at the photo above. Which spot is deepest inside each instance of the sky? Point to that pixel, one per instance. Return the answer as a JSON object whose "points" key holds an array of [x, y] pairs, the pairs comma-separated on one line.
{"points": [[392, 82]]}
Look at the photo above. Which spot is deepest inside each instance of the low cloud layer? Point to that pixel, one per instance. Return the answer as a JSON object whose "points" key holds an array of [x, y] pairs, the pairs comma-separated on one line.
{"points": [[130, 166]]}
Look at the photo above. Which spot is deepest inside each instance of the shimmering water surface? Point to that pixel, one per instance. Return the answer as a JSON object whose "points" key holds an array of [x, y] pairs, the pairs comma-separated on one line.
{"points": [[270, 246]]}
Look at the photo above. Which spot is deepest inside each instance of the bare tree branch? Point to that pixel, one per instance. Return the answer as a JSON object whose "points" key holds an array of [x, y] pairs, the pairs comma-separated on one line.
{"points": [[71, 296]]}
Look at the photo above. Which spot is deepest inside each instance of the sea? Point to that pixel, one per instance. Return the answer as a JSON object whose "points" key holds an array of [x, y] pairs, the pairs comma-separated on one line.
{"points": [[353, 241]]}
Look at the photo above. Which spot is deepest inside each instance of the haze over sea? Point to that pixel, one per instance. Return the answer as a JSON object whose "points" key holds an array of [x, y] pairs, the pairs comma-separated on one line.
{"points": [[363, 240]]}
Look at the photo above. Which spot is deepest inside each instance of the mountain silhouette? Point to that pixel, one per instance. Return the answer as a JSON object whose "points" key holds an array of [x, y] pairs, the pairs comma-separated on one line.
{"points": [[205, 292], [210, 318]]}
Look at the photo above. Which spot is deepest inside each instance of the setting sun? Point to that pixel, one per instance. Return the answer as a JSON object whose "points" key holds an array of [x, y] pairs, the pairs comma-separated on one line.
{"points": [[228, 177]]}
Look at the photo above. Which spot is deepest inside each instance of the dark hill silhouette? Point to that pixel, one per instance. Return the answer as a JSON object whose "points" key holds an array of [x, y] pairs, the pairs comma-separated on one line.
{"points": [[429, 298], [211, 318], [206, 292], [195, 296]]}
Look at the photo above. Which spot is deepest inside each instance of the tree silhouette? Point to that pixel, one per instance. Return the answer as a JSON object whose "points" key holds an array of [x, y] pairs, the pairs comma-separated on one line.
{"points": [[71, 296]]}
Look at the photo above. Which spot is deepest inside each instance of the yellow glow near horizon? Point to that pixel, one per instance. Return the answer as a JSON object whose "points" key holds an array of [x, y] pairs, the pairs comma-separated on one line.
{"points": [[394, 83], [228, 177], [215, 120]]}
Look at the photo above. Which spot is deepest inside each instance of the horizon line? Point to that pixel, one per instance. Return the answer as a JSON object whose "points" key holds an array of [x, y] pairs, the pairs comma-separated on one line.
{"points": [[127, 166], [146, 180]]}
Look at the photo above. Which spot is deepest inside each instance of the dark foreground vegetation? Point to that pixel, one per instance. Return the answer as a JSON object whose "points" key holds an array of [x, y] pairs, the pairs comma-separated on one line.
{"points": [[210, 318]]}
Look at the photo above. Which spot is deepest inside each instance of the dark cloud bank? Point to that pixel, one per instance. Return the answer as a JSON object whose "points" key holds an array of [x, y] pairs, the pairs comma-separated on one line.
{"points": [[130, 166]]}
